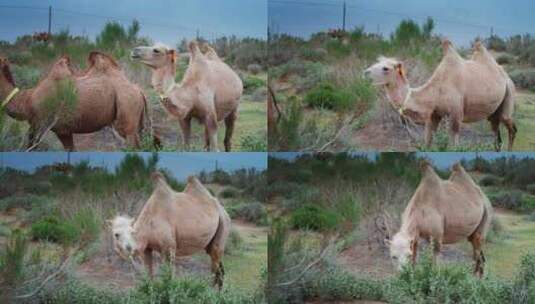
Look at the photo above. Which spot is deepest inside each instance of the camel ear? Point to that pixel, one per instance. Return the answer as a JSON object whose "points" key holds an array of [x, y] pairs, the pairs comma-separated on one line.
{"points": [[399, 68], [172, 55]]}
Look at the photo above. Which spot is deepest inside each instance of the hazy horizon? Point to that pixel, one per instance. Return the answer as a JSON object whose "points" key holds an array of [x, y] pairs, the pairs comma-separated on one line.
{"points": [[164, 21], [461, 22], [443, 160], [181, 165]]}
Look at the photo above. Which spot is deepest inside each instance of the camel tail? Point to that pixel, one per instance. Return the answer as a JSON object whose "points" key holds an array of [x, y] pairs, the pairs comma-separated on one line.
{"points": [[223, 230], [146, 125], [486, 220]]}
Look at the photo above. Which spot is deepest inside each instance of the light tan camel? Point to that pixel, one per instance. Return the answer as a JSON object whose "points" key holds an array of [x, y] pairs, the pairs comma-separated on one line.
{"points": [[175, 224], [465, 90], [105, 97], [443, 212], [210, 90]]}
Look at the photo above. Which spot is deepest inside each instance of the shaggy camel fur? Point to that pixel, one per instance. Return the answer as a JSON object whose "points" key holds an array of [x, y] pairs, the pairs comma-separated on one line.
{"points": [[175, 224], [443, 212], [465, 90], [210, 90], [105, 97]]}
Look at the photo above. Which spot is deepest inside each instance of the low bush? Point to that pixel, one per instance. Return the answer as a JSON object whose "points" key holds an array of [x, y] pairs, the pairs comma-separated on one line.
{"points": [[235, 242], [53, 229], [490, 180], [531, 188], [508, 199], [505, 59], [253, 212], [313, 54], [326, 95], [229, 193], [427, 282], [253, 143], [314, 217], [524, 78], [166, 289], [251, 83]]}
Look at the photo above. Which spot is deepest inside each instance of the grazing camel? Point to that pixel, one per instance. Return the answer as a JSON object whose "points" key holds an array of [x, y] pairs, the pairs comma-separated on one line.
{"points": [[175, 224], [465, 90], [210, 90], [105, 97], [443, 212]]}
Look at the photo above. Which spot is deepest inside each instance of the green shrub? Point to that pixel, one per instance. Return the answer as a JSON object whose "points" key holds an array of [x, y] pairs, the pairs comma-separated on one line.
{"points": [[25, 76], [337, 285], [506, 59], [338, 49], [524, 78], [251, 83], [327, 96], [314, 217], [253, 212], [87, 224], [235, 242], [229, 193], [166, 289], [76, 292], [508, 200], [313, 54], [490, 180], [54, 230], [531, 188], [253, 143], [427, 282]]}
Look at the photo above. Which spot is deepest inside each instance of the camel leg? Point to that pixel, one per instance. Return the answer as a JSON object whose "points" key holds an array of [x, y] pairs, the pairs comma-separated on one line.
{"points": [[229, 129], [147, 259], [431, 126], [475, 239], [185, 125], [414, 251], [495, 125], [217, 265], [210, 133], [170, 257], [437, 246], [455, 128], [511, 130], [67, 141]]}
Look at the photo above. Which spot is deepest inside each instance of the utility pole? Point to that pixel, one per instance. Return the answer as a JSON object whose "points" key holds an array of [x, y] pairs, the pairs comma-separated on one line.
{"points": [[197, 35], [344, 18], [491, 32], [49, 20]]}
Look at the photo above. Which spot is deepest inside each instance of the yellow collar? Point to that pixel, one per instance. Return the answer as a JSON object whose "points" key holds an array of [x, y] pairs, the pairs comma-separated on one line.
{"points": [[9, 97]]}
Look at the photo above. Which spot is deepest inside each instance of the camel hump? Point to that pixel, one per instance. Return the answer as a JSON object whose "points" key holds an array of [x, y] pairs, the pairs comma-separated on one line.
{"points": [[160, 182], [428, 173], [194, 186], [193, 47], [101, 62], [209, 51]]}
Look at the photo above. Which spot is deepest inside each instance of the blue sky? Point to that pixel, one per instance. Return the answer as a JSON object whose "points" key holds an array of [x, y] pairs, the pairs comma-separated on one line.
{"points": [[461, 21], [166, 21], [180, 164], [443, 160]]}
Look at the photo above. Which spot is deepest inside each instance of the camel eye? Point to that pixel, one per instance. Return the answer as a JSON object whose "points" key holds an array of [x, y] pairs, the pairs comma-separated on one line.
{"points": [[117, 235], [395, 257], [156, 51], [386, 69]]}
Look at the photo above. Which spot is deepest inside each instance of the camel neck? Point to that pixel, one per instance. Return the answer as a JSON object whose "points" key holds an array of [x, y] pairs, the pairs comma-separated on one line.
{"points": [[397, 92], [163, 79]]}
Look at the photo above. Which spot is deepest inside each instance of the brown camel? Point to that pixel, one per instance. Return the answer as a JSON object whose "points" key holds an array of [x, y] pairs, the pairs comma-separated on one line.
{"points": [[175, 224], [465, 90], [105, 97], [443, 212], [210, 90]]}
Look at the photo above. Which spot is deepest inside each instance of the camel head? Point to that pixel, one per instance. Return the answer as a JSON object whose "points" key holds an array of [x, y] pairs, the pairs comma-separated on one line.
{"points": [[7, 83], [162, 60], [400, 249], [156, 56], [389, 73], [124, 241]]}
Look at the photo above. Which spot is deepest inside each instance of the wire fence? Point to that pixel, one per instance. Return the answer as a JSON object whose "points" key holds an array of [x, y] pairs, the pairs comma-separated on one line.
{"points": [[348, 14], [57, 19]]}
